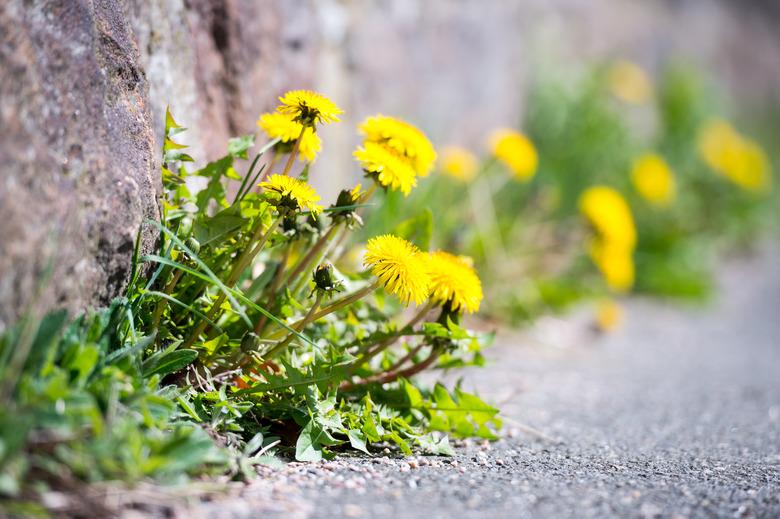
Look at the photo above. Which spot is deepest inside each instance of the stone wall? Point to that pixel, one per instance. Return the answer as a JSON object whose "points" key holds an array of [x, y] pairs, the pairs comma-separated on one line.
{"points": [[76, 152], [84, 86]]}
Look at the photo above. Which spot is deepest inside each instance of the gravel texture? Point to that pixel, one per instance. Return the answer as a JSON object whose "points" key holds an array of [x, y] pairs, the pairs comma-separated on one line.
{"points": [[677, 414]]}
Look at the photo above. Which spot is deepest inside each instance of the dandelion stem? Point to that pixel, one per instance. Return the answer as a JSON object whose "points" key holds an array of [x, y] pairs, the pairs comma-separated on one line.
{"points": [[384, 378], [243, 260], [388, 341], [271, 164], [306, 320], [158, 310], [273, 287], [336, 305], [294, 152], [306, 261]]}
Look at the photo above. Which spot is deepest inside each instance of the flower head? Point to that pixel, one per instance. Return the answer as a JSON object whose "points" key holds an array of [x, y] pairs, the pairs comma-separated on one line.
{"points": [[387, 167], [612, 248], [402, 138], [734, 156], [345, 207], [455, 281], [616, 264], [400, 267], [629, 82], [610, 215], [309, 108], [286, 129], [516, 151], [609, 314], [653, 179], [292, 193], [459, 163]]}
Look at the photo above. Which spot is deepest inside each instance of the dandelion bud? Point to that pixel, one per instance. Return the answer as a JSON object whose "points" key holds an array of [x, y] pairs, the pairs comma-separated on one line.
{"points": [[323, 277], [193, 244], [185, 227], [249, 342]]}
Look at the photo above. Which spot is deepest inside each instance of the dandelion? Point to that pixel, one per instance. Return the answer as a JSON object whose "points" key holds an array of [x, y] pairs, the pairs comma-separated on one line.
{"points": [[403, 138], [751, 170], [309, 108], [629, 82], [454, 281], [609, 314], [738, 158], [610, 215], [611, 249], [516, 151], [387, 167], [459, 163], [400, 267], [292, 193], [653, 179], [345, 208], [286, 129], [616, 264], [718, 144]]}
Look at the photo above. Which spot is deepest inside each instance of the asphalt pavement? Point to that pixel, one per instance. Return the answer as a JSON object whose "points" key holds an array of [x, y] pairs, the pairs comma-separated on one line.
{"points": [[676, 414]]}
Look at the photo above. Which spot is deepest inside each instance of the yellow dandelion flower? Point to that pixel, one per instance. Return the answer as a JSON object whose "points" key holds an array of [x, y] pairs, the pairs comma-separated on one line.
{"points": [[516, 151], [738, 158], [309, 108], [286, 129], [609, 315], [751, 170], [403, 138], [455, 281], [610, 215], [400, 267], [459, 163], [718, 144], [357, 193], [292, 193], [387, 167], [616, 264], [629, 82], [653, 179]]}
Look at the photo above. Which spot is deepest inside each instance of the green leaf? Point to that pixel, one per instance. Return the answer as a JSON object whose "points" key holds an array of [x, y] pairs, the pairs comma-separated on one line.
{"points": [[238, 146], [46, 339], [169, 362], [219, 227], [308, 446], [170, 123], [432, 445], [402, 444], [357, 439]]}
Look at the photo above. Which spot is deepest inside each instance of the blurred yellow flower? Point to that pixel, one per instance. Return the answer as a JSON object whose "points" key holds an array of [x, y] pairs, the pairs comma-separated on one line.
{"points": [[454, 281], [738, 158], [283, 127], [615, 263], [609, 213], [629, 82], [403, 138], [459, 163], [516, 151], [653, 179], [400, 267], [309, 108], [609, 315], [387, 167], [292, 193], [612, 247]]}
